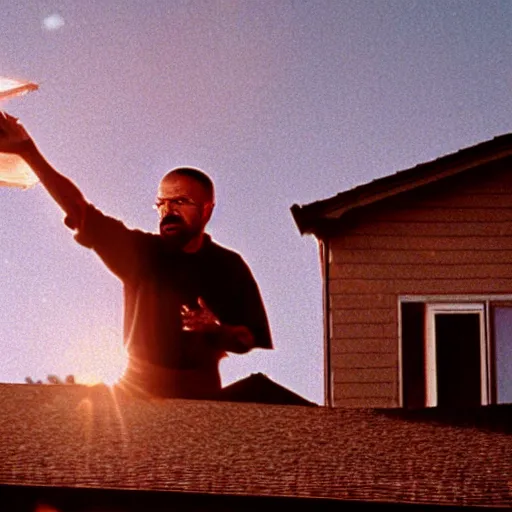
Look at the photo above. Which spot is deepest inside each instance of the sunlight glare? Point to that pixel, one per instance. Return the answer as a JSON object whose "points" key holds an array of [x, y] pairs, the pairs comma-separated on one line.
{"points": [[99, 361]]}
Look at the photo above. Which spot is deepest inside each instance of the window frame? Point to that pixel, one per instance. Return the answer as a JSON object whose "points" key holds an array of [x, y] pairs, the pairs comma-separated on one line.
{"points": [[431, 310], [457, 303]]}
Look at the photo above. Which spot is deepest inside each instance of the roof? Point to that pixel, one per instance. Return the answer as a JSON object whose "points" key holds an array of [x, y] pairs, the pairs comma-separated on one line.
{"points": [[310, 217], [259, 388], [95, 438]]}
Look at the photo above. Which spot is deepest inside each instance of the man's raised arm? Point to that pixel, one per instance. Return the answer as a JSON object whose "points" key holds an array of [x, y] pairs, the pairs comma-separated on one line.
{"points": [[14, 139]]}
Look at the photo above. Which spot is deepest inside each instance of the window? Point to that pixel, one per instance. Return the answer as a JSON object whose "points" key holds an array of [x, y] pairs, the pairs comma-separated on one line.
{"points": [[456, 361], [456, 352], [502, 325]]}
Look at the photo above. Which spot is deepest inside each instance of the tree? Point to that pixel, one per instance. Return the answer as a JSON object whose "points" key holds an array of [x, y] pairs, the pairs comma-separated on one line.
{"points": [[53, 379]]}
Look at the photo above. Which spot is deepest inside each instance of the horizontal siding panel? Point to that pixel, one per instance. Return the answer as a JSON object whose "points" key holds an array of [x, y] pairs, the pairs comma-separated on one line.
{"points": [[345, 375], [415, 214], [366, 390], [466, 229], [494, 180], [370, 403], [363, 330], [359, 286], [361, 360], [374, 301], [421, 286], [347, 345], [463, 199], [453, 257], [422, 243], [366, 316], [407, 271]]}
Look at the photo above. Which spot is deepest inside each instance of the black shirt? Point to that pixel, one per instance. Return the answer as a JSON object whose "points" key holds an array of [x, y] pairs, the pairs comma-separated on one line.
{"points": [[158, 281]]}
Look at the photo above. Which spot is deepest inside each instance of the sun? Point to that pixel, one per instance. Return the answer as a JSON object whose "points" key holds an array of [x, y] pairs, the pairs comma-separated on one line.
{"points": [[91, 379], [100, 360]]}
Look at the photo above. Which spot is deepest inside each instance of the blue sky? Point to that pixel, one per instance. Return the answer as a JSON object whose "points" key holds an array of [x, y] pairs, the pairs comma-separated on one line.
{"points": [[280, 102]]}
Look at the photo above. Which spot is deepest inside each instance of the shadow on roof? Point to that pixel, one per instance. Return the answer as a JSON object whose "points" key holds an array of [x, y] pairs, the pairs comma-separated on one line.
{"points": [[493, 418]]}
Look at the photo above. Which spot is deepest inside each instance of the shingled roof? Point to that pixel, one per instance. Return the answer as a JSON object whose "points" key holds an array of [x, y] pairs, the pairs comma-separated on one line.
{"points": [[79, 437], [312, 217]]}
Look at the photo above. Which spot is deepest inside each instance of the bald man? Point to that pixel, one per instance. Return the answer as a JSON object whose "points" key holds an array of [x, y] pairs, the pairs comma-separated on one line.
{"points": [[187, 299]]}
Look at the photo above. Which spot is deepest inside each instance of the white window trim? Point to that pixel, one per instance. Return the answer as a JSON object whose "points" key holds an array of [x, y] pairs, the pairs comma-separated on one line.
{"points": [[430, 346], [463, 299]]}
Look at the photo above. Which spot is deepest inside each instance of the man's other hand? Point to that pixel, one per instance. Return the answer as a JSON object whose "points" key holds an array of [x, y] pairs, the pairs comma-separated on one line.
{"points": [[232, 338], [200, 319]]}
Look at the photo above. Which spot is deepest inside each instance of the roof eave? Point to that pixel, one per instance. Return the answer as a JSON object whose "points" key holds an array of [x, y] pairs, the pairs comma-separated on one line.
{"points": [[309, 221], [312, 218]]}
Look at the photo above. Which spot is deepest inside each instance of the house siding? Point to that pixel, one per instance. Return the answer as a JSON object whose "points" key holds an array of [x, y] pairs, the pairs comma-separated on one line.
{"points": [[451, 237]]}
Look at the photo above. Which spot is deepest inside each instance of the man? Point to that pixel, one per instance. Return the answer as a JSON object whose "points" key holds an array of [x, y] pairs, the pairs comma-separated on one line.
{"points": [[187, 300]]}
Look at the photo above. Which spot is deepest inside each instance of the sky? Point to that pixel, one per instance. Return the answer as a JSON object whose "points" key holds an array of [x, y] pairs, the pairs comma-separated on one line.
{"points": [[280, 102]]}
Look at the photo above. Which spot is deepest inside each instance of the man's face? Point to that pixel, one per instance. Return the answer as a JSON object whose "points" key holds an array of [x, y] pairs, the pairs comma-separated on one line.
{"points": [[183, 208]]}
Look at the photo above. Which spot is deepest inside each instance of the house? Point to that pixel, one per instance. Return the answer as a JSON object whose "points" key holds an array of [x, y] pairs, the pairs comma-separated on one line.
{"points": [[417, 278], [417, 291], [93, 449]]}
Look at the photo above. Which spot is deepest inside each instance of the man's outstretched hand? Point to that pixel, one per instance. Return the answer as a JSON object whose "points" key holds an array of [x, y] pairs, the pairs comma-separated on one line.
{"points": [[200, 319], [13, 136]]}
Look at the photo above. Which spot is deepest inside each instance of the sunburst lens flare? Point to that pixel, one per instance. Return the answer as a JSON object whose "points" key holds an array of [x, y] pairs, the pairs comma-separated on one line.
{"points": [[100, 361]]}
